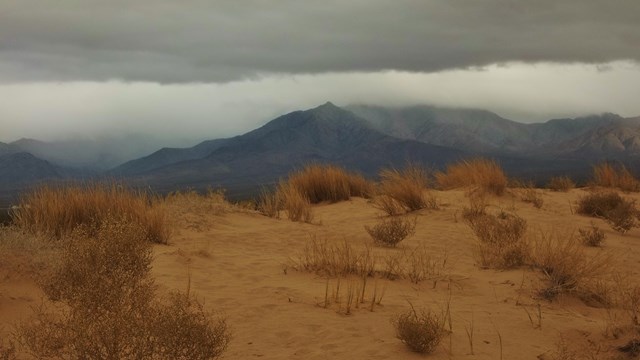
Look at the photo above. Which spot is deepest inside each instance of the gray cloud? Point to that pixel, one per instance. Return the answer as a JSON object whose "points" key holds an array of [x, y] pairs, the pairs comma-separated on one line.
{"points": [[181, 114], [219, 41]]}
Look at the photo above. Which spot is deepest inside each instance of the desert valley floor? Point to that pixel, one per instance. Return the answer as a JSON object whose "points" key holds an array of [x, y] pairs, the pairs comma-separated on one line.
{"points": [[242, 265]]}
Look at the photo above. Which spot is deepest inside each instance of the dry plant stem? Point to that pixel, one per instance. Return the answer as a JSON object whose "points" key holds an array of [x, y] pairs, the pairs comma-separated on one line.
{"points": [[469, 331]]}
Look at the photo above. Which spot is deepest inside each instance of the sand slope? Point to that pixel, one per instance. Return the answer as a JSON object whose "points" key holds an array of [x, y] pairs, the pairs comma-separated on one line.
{"points": [[239, 263]]}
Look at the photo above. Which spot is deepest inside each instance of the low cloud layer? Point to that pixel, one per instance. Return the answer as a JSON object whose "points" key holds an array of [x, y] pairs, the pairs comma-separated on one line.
{"points": [[182, 114], [221, 41]]}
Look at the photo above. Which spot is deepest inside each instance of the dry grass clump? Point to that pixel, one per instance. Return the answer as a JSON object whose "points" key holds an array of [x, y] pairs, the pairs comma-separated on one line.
{"points": [[296, 204], [330, 183], [392, 231], [58, 211], [334, 259], [269, 203], [482, 173], [619, 212], [561, 183], [592, 236], [420, 332], [104, 304], [532, 196], [608, 175], [477, 206], [502, 243], [569, 269], [404, 190]]}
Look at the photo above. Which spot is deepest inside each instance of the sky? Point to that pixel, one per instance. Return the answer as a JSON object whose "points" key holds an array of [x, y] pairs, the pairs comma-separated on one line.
{"points": [[191, 70]]}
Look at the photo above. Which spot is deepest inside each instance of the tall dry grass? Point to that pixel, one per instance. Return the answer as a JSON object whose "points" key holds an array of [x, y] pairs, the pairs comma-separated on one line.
{"points": [[57, 211], [569, 269], [404, 190], [296, 203], [484, 174], [311, 185], [330, 183], [608, 175]]}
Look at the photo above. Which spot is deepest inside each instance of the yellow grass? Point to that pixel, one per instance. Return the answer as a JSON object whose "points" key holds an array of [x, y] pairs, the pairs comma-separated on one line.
{"points": [[56, 211], [608, 175], [482, 173], [404, 190], [330, 183]]}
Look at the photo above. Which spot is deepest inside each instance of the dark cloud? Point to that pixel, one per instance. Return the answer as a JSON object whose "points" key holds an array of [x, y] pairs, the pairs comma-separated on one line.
{"points": [[218, 41]]}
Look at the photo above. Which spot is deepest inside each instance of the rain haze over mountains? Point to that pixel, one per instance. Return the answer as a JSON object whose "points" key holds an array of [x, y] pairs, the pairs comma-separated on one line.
{"points": [[188, 93]]}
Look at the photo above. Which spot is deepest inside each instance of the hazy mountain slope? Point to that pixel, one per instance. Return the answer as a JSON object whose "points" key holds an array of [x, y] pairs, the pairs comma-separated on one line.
{"points": [[167, 156], [7, 149], [590, 138], [91, 153], [471, 130], [22, 168], [323, 134]]}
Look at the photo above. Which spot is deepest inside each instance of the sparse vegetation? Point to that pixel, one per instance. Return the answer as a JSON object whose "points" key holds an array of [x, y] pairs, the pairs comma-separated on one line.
{"points": [[404, 190], [421, 332], [392, 231], [592, 236], [501, 240], [56, 212], [569, 269], [104, 304], [619, 212], [561, 183], [608, 175], [330, 259], [484, 174]]}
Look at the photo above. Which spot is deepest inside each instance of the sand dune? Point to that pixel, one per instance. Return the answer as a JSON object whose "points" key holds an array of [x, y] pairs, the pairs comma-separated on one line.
{"points": [[240, 264]]}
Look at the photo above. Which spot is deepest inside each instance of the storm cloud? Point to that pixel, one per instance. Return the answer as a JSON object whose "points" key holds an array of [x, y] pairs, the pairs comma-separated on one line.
{"points": [[222, 41]]}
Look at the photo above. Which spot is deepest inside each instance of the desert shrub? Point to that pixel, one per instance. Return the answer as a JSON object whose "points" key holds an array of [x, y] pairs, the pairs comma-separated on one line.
{"points": [[420, 332], [392, 231], [269, 203], [623, 217], [592, 236], [482, 173], [561, 183], [569, 269], [608, 175], [330, 183], [598, 204], [619, 212], [58, 211], [404, 190], [104, 304], [296, 204], [501, 240]]}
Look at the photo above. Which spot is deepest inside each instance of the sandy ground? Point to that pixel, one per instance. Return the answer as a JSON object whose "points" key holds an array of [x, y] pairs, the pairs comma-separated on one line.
{"points": [[239, 263]]}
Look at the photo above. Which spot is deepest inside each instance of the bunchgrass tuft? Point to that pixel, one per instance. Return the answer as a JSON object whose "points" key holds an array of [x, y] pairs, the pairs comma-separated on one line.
{"points": [[57, 211], [404, 190], [484, 174]]}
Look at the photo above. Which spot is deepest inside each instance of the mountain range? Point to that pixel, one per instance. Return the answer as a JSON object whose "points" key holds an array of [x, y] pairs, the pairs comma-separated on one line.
{"points": [[361, 137]]}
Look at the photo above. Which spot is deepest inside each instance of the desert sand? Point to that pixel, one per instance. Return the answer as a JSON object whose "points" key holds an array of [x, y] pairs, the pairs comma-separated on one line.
{"points": [[241, 265]]}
